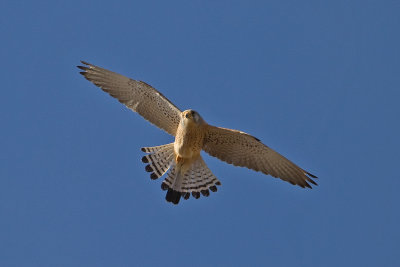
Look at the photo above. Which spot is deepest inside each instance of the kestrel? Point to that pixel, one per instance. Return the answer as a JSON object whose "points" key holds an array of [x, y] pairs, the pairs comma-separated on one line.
{"points": [[187, 173]]}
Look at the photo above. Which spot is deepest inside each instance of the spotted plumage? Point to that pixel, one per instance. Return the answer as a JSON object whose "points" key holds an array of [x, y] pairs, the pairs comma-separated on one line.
{"points": [[186, 172]]}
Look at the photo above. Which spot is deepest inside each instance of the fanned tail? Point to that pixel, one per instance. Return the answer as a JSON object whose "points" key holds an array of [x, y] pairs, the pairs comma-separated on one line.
{"points": [[193, 180], [198, 179]]}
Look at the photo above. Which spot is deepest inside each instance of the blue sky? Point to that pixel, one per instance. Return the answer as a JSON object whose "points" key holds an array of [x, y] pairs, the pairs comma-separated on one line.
{"points": [[317, 81]]}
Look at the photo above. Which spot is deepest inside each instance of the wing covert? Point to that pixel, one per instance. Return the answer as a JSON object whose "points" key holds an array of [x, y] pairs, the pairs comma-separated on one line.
{"points": [[136, 95]]}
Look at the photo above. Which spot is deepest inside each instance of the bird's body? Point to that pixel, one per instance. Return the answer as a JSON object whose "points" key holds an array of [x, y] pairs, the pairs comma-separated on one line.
{"points": [[187, 173], [189, 136]]}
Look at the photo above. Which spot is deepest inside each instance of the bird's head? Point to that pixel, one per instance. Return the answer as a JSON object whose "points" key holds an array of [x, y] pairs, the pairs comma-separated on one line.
{"points": [[191, 116]]}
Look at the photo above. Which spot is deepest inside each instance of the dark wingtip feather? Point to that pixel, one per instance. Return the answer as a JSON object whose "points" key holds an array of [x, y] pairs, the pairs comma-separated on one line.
{"points": [[145, 159], [218, 183], [312, 181], [312, 175], [82, 67], [186, 196], [153, 176], [84, 62]]}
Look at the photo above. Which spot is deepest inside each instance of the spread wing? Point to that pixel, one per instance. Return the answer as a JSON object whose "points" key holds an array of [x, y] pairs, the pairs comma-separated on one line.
{"points": [[241, 149], [136, 95]]}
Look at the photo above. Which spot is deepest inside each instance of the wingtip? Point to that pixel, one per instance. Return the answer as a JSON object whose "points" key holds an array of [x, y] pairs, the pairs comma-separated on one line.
{"points": [[305, 183], [311, 175], [313, 182], [85, 63]]}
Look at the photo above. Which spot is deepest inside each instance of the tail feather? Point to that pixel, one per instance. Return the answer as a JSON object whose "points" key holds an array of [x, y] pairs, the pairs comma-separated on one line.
{"points": [[196, 180], [154, 149], [171, 175], [159, 160], [199, 178], [172, 183], [173, 196]]}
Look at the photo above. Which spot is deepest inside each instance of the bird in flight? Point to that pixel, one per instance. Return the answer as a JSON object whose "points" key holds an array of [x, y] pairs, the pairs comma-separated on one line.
{"points": [[186, 172]]}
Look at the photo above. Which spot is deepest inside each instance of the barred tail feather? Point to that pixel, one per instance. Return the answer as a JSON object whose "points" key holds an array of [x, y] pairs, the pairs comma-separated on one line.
{"points": [[172, 184], [154, 149], [195, 180], [159, 159], [198, 179]]}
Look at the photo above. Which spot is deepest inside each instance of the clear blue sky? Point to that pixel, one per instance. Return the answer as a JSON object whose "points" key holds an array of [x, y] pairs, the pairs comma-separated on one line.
{"points": [[317, 81]]}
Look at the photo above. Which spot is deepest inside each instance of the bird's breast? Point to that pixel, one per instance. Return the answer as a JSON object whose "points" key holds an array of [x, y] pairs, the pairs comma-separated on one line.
{"points": [[188, 141]]}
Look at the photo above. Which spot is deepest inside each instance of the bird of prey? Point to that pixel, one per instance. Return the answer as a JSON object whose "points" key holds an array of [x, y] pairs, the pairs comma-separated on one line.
{"points": [[186, 172]]}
